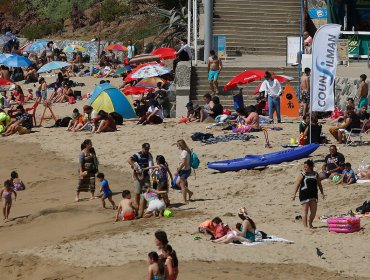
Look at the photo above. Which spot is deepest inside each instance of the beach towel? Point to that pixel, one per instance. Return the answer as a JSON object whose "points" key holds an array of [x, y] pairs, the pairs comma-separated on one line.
{"points": [[363, 181], [269, 239], [228, 138]]}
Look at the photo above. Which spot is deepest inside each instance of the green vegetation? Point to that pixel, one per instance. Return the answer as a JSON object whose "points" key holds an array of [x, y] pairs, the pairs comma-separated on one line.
{"points": [[111, 9], [38, 31]]}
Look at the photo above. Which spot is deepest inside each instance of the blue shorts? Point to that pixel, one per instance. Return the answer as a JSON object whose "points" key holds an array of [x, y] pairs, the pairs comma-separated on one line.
{"points": [[38, 93], [184, 174], [43, 94], [213, 75]]}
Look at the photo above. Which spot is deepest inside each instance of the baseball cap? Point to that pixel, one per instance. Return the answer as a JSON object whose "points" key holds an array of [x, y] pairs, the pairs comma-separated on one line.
{"points": [[146, 146]]}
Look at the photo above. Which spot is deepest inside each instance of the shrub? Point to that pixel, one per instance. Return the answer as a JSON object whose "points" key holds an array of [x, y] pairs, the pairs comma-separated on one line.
{"points": [[111, 9], [37, 31]]}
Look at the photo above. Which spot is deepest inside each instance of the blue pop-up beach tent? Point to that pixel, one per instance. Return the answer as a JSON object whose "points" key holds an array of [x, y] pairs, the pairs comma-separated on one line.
{"points": [[110, 99]]}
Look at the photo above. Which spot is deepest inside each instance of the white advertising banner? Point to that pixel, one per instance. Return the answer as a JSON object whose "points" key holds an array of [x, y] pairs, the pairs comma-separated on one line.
{"points": [[324, 65]]}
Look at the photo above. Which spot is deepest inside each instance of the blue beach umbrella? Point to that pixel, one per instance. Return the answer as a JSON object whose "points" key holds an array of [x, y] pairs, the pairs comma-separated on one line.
{"points": [[54, 65], [4, 56], [36, 46], [17, 61], [110, 99]]}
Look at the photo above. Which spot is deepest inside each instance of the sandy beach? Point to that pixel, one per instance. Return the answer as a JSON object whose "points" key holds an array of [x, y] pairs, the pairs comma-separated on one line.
{"points": [[52, 237]]}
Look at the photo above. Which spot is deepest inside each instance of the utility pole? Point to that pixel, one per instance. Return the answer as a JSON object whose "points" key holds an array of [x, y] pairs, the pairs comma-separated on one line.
{"points": [[208, 22]]}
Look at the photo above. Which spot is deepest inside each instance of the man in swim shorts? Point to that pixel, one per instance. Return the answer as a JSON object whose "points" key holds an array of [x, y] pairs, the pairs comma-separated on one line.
{"points": [[362, 92], [214, 69], [138, 162]]}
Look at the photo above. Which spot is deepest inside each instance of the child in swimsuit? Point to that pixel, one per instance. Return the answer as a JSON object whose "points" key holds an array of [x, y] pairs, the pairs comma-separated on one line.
{"points": [[126, 208], [105, 191], [155, 269], [162, 176], [171, 263], [17, 183], [6, 196]]}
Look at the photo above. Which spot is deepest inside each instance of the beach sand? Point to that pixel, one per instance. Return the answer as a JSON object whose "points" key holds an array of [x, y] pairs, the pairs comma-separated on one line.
{"points": [[52, 237]]}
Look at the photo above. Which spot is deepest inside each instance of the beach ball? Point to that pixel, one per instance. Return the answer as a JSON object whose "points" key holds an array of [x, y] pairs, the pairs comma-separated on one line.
{"points": [[167, 213], [336, 179]]}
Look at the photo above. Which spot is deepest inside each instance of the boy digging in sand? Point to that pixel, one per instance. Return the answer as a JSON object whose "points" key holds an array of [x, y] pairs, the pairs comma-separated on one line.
{"points": [[126, 208], [105, 191]]}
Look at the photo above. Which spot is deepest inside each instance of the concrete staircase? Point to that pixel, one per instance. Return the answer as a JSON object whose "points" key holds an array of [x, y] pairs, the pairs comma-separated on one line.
{"points": [[200, 85], [256, 26]]}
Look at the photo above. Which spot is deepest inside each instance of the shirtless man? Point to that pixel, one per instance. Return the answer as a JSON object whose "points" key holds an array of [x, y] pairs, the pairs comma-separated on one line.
{"points": [[214, 69], [305, 90], [126, 208], [362, 92]]}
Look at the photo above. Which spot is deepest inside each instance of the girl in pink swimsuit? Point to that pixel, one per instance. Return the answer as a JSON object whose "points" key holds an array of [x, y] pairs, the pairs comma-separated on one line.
{"points": [[6, 196]]}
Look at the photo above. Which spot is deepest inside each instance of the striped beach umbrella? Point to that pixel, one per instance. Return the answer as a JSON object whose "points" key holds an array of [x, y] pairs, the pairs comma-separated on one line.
{"points": [[143, 58]]}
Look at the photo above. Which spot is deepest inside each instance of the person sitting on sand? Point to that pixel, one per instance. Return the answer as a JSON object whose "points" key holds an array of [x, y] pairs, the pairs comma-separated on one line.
{"points": [[18, 185], [89, 118], [316, 129], [364, 174], [156, 270], [253, 119], [214, 227], [22, 123], [195, 112], [217, 109], [104, 122], [351, 121], [332, 165], [307, 183], [245, 232], [126, 208], [154, 114], [348, 176], [105, 191], [76, 122], [6, 196]]}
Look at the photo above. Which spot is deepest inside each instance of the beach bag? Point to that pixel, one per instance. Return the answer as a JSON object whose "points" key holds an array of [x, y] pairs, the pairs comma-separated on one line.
{"points": [[194, 160], [63, 122]]}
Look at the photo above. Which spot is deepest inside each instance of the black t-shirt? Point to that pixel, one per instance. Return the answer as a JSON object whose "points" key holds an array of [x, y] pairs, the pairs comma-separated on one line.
{"points": [[217, 110], [355, 123], [333, 162], [316, 133], [364, 116]]}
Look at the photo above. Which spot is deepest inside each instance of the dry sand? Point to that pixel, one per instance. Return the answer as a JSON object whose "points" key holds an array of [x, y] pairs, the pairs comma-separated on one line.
{"points": [[51, 237]]}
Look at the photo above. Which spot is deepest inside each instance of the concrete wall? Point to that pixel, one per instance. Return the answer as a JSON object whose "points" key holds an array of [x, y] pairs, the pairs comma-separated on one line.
{"points": [[345, 88], [182, 82]]}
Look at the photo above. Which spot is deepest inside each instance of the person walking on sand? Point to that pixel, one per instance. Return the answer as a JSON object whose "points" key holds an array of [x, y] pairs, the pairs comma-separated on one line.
{"points": [[6, 196], [87, 169], [214, 69], [184, 170], [307, 183]]}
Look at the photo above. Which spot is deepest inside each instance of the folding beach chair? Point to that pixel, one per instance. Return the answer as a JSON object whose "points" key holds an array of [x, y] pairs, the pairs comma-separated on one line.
{"points": [[355, 133]]}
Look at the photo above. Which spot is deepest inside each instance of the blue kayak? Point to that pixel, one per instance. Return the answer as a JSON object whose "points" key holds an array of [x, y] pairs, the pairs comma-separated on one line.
{"points": [[252, 161]]}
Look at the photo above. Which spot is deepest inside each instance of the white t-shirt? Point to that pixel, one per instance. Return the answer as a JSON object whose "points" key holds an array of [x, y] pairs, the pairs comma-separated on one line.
{"points": [[159, 112], [185, 155], [130, 51], [271, 88]]}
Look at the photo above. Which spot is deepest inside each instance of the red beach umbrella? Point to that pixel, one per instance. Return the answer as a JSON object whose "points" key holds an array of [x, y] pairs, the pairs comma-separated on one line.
{"points": [[136, 90], [165, 53], [245, 77]]}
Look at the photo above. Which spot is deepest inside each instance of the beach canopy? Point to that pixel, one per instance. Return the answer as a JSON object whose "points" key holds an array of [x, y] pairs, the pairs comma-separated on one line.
{"points": [[54, 65], [73, 48], [116, 47], [110, 99], [153, 70], [17, 61], [150, 82], [165, 53], [34, 46], [143, 58]]}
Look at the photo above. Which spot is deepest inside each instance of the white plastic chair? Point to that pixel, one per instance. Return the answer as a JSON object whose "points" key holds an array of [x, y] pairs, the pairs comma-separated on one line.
{"points": [[355, 133]]}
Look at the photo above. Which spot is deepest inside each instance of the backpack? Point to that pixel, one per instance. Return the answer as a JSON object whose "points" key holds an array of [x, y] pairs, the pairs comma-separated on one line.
{"points": [[364, 208], [63, 122], [194, 160]]}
